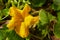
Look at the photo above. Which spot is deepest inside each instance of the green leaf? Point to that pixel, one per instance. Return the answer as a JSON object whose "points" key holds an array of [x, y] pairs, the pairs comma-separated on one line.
{"points": [[57, 26], [4, 27], [43, 22], [2, 35], [37, 3], [6, 34], [55, 7], [13, 36], [57, 30], [57, 2], [43, 17], [51, 17], [44, 32], [58, 16], [3, 32], [4, 13], [28, 38]]}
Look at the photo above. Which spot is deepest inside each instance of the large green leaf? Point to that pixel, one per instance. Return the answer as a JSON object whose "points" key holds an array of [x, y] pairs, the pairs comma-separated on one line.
{"points": [[43, 22], [37, 3], [43, 17]]}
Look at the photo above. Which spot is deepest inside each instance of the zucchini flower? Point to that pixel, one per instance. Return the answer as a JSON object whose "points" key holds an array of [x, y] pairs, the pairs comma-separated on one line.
{"points": [[21, 20]]}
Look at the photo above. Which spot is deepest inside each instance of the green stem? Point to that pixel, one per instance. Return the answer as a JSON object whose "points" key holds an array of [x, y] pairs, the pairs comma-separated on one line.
{"points": [[12, 2], [4, 17], [37, 37], [8, 3], [18, 3]]}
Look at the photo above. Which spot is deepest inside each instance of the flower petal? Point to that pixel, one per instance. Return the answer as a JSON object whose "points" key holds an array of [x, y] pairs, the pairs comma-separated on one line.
{"points": [[21, 20], [28, 20], [15, 12], [11, 24], [35, 20], [24, 31], [16, 18], [26, 10]]}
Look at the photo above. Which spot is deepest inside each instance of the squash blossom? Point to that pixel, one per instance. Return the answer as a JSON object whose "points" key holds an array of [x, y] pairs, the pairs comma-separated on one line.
{"points": [[21, 20]]}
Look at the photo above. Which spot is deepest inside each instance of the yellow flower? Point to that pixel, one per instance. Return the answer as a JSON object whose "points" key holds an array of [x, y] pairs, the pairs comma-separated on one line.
{"points": [[21, 20]]}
